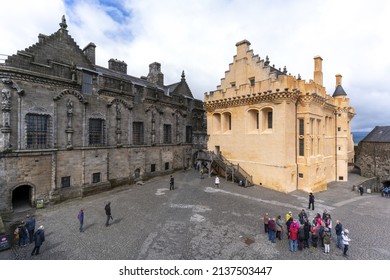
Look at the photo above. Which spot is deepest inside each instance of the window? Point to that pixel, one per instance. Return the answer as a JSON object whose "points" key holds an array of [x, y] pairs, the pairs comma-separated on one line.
{"points": [[300, 175], [188, 134], [87, 83], [96, 132], [339, 129], [65, 182], [233, 84], [341, 178], [138, 133], [217, 123], [96, 178], [152, 168], [167, 166], [167, 134], [301, 147], [253, 121], [267, 118], [252, 82], [37, 131], [301, 127], [227, 122]]}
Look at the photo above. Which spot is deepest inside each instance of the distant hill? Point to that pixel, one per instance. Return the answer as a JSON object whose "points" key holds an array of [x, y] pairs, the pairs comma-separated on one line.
{"points": [[358, 136]]}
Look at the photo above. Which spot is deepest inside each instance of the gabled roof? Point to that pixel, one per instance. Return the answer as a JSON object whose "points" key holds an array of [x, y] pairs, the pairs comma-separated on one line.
{"points": [[181, 88], [378, 134], [58, 47], [339, 91]]}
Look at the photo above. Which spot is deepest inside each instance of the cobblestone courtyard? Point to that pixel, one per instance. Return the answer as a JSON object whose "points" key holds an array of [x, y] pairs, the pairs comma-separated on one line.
{"points": [[198, 222]]}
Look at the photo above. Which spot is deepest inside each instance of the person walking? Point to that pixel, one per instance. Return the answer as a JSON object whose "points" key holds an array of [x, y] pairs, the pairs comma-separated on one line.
{"points": [[346, 241], [107, 208], [266, 220], [39, 238], [171, 183], [30, 224], [311, 201], [361, 190], [339, 228], [80, 217], [217, 182]]}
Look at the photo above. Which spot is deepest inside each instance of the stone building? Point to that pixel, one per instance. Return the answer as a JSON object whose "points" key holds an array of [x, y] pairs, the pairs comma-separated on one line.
{"points": [[286, 132], [373, 156], [70, 128]]}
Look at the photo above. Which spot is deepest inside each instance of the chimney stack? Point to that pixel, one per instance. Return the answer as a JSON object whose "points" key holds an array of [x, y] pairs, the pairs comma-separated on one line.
{"points": [[318, 79], [89, 51], [338, 79], [117, 65], [155, 76]]}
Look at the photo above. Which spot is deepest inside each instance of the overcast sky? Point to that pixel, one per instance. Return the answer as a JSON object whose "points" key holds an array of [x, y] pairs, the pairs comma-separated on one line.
{"points": [[199, 37]]}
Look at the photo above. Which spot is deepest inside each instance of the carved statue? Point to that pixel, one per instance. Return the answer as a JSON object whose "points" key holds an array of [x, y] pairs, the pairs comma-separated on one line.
{"points": [[69, 106], [6, 99]]}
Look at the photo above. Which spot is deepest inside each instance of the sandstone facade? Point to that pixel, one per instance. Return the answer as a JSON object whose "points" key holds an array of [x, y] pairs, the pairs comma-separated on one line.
{"points": [[286, 132]]}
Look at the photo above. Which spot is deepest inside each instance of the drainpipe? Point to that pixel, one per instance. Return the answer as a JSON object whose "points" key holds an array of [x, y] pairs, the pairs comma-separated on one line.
{"points": [[296, 142], [335, 143]]}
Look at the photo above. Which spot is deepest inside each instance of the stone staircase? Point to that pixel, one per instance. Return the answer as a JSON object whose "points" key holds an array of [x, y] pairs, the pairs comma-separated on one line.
{"points": [[230, 171]]}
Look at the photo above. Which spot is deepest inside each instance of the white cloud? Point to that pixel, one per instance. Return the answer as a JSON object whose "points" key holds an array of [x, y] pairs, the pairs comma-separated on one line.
{"points": [[199, 37]]}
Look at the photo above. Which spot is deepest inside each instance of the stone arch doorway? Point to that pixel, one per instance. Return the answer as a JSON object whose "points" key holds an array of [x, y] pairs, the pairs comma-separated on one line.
{"points": [[22, 197]]}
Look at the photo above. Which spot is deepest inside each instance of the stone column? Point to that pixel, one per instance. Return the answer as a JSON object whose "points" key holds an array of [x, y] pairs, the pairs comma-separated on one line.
{"points": [[69, 131], [6, 109]]}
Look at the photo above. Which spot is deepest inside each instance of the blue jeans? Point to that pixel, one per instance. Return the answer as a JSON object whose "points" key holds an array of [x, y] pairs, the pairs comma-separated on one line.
{"points": [[293, 245], [271, 235], [339, 241]]}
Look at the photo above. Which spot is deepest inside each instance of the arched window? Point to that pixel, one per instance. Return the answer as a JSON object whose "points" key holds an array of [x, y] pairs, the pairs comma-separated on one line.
{"points": [[267, 116], [253, 120], [216, 123], [227, 122]]}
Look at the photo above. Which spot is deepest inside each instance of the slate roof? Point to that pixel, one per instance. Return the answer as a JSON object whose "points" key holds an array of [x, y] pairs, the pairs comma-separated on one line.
{"points": [[378, 134], [339, 91]]}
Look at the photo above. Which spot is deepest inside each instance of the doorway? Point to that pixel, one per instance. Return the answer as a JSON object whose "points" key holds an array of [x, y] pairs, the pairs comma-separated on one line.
{"points": [[22, 198]]}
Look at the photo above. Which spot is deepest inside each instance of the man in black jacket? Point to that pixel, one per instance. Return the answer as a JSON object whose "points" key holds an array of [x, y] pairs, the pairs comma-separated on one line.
{"points": [[107, 208], [339, 229], [311, 201], [39, 238]]}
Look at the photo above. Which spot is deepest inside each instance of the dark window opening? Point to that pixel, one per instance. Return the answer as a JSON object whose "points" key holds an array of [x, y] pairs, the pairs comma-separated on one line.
{"points": [[167, 134], [65, 182], [96, 178], [138, 133], [37, 131], [252, 82], [96, 132], [269, 119], [87, 83], [188, 134], [301, 147], [152, 168], [300, 175], [167, 166]]}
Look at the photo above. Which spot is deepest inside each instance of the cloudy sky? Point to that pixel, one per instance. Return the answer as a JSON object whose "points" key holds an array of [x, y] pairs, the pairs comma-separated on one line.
{"points": [[199, 37]]}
